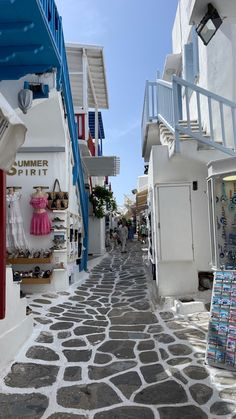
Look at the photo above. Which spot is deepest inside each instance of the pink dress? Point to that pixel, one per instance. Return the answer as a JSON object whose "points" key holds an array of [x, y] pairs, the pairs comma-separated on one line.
{"points": [[40, 223]]}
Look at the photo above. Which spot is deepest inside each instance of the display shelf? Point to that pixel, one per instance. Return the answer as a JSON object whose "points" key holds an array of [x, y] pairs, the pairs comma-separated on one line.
{"points": [[58, 231], [63, 211], [27, 261], [59, 269], [36, 281]]}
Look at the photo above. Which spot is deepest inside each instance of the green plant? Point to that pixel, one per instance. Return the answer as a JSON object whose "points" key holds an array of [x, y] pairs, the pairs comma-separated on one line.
{"points": [[102, 200]]}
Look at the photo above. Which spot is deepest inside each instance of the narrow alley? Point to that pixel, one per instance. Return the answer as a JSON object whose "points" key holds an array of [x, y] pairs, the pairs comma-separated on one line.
{"points": [[103, 351]]}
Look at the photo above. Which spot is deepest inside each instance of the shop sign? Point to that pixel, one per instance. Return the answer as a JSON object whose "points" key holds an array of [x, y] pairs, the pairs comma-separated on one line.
{"points": [[29, 168]]}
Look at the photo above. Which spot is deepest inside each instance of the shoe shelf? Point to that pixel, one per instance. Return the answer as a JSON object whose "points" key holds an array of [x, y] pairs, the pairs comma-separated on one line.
{"points": [[36, 281], [28, 261]]}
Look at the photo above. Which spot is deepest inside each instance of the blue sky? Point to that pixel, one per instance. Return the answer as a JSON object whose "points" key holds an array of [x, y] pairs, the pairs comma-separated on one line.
{"points": [[136, 36]]}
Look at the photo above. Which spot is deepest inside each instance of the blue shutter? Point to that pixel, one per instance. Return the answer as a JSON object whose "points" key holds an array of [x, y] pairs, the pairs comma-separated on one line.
{"points": [[188, 62], [195, 54]]}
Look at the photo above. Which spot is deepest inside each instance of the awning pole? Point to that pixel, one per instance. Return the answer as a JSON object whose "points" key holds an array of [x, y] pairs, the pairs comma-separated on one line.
{"points": [[2, 244]]}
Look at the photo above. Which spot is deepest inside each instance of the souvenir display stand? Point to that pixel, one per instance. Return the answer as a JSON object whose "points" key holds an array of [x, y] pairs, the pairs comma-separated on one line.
{"points": [[221, 348], [53, 268]]}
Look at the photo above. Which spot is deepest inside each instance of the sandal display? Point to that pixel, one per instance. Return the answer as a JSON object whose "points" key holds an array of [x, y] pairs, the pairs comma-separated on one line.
{"points": [[40, 265]]}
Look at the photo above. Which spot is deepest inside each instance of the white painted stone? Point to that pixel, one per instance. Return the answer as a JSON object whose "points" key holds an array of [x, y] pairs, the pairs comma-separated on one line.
{"points": [[189, 308]]}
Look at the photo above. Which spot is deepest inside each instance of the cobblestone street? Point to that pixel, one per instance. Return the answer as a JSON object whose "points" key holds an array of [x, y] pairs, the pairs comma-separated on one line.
{"points": [[104, 352]]}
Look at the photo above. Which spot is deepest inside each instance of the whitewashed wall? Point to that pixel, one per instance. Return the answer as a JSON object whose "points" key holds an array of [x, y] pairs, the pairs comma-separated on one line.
{"points": [[216, 63], [176, 276], [142, 182], [47, 127]]}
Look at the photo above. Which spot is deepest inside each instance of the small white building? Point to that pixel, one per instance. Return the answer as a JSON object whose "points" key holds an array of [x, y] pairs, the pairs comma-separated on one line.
{"points": [[90, 94], [188, 120]]}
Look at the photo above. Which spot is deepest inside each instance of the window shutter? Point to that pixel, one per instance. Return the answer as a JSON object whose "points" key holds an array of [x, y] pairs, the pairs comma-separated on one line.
{"points": [[188, 62], [195, 54]]}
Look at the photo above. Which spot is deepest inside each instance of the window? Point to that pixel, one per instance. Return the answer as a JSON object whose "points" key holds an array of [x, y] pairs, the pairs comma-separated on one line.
{"points": [[191, 58]]}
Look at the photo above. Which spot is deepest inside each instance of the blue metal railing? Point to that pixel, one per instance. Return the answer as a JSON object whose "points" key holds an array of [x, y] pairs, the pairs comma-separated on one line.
{"points": [[54, 22], [213, 112], [149, 106], [216, 116], [165, 104], [55, 26]]}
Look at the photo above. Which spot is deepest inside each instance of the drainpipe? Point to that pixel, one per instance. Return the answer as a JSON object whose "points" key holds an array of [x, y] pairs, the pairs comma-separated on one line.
{"points": [[2, 244]]}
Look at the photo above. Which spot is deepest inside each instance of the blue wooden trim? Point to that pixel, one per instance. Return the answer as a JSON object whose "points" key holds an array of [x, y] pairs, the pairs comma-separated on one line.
{"points": [[78, 176]]}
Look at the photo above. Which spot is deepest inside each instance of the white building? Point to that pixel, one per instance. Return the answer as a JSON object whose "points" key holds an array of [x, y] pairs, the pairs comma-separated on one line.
{"points": [[188, 121], [90, 94]]}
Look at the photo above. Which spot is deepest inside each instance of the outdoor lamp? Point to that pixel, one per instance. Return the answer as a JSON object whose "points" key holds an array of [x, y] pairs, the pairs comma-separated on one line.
{"points": [[230, 178], [209, 24]]}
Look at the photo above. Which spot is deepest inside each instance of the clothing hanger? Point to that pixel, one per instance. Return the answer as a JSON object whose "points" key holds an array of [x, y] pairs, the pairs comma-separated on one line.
{"points": [[14, 187]]}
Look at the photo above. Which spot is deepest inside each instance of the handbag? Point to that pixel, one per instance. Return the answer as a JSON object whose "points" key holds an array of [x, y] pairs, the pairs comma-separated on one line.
{"points": [[57, 199]]}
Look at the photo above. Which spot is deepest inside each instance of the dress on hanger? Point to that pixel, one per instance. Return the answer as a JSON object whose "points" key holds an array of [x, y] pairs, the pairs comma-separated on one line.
{"points": [[40, 223], [15, 239]]}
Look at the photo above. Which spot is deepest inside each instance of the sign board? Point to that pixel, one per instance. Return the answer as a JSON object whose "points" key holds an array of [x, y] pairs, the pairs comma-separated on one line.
{"points": [[221, 348]]}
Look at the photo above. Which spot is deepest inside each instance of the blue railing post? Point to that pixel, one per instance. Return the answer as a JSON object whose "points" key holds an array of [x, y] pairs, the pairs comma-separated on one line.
{"points": [[176, 115]]}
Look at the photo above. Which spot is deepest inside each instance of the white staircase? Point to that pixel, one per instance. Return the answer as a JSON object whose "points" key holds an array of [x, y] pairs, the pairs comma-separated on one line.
{"points": [[189, 145]]}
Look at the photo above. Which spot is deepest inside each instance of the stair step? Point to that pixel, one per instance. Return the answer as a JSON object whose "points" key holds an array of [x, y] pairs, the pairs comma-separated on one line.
{"points": [[169, 138], [184, 121]]}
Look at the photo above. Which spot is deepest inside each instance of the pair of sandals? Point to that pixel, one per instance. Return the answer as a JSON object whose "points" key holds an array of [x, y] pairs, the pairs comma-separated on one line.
{"points": [[59, 247], [41, 254], [36, 273], [18, 254]]}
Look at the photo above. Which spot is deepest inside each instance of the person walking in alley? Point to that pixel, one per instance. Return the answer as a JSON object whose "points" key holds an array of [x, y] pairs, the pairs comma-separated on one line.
{"points": [[114, 239], [123, 235], [143, 233]]}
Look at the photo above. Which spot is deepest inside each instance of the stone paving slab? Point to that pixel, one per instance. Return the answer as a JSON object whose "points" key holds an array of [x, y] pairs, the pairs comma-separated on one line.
{"points": [[101, 351]]}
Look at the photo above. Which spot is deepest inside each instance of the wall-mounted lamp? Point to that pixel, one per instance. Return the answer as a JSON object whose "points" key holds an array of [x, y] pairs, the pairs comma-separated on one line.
{"points": [[230, 178], [209, 24]]}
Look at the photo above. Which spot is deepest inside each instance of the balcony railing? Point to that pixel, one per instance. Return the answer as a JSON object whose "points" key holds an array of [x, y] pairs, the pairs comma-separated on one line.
{"points": [[54, 22], [150, 105], [165, 104], [216, 116]]}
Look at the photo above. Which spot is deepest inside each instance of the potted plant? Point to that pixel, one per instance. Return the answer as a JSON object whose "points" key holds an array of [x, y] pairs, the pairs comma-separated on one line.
{"points": [[102, 200]]}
